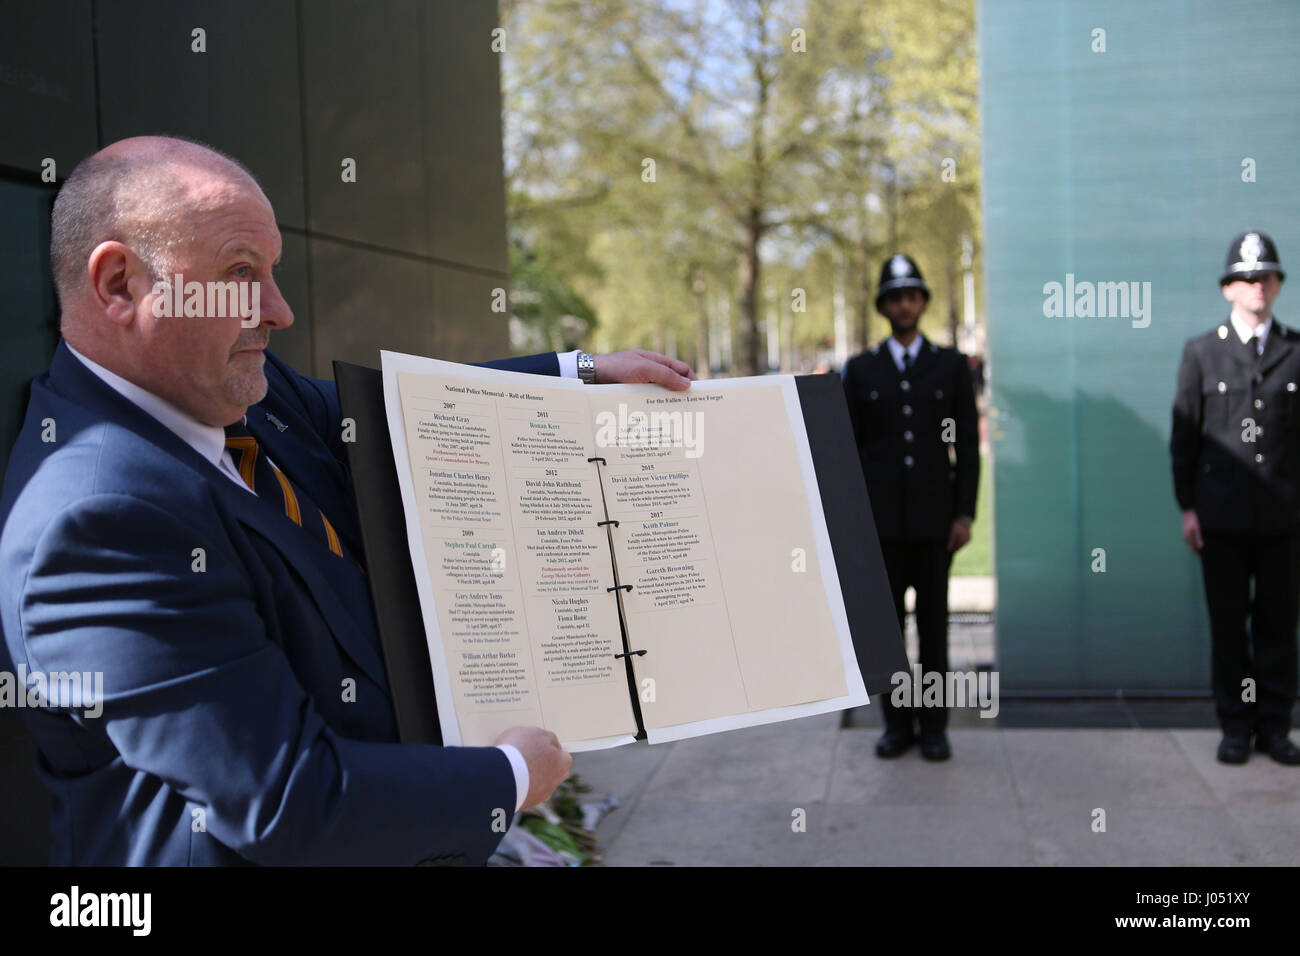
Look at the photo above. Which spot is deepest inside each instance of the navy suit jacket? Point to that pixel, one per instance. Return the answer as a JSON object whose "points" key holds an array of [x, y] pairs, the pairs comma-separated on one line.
{"points": [[228, 734]]}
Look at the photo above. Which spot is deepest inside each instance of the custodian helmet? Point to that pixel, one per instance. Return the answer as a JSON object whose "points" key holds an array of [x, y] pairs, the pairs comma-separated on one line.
{"points": [[900, 272], [1251, 255]]}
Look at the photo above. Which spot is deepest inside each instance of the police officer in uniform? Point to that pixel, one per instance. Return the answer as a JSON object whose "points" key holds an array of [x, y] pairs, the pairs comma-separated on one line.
{"points": [[912, 404], [1236, 460]]}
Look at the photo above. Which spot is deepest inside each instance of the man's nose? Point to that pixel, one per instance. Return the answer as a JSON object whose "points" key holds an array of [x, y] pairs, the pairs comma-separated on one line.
{"points": [[276, 313]]}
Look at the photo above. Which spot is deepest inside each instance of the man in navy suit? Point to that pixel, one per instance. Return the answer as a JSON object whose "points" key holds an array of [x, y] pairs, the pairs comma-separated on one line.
{"points": [[244, 715]]}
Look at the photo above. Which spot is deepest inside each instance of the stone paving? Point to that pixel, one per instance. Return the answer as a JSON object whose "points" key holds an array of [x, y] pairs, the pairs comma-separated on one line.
{"points": [[1008, 797], [1021, 790]]}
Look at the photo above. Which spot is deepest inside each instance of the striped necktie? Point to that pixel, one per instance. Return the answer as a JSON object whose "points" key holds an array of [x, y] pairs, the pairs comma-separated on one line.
{"points": [[269, 482]]}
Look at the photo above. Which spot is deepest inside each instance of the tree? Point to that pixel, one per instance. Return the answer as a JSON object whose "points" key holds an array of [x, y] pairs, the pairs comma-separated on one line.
{"points": [[657, 148]]}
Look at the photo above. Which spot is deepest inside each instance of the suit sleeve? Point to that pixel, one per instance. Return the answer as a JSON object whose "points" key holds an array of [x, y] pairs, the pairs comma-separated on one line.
{"points": [[968, 442], [319, 398], [1185, 435], [543, 363], [198, 695]]}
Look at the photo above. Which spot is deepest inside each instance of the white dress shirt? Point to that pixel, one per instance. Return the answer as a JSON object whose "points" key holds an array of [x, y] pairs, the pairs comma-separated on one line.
{"points": [[1245, 332], [568, 363], [210, 442], [897, 351]]}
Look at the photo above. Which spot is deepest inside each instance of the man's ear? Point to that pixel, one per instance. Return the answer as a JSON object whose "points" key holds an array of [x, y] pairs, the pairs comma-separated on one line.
{"points": [[114, 272], [1224, 289]]}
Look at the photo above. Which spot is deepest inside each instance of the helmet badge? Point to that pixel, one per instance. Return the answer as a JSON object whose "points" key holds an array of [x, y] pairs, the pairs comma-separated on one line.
{"points": [[1252, 247]]}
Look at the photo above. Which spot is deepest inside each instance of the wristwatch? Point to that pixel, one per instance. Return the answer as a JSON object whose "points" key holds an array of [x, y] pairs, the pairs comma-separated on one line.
{"points": [[587, 368]]}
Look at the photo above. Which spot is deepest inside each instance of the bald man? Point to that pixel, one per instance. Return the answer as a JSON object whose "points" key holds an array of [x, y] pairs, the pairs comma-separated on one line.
{"points": [[213, 621]]}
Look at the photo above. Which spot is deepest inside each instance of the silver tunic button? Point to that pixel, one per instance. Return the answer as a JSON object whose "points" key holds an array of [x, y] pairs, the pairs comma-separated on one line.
{"points": [[905, 385], [1223, 386], [874, 393], [1290, 386], [908, 461], [1259, 403], [1259, 458], [907, 436], [907, 409]]}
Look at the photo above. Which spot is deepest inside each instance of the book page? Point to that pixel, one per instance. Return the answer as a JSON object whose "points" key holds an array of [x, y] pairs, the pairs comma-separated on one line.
{"points": [[721, 534], [512, 568]]}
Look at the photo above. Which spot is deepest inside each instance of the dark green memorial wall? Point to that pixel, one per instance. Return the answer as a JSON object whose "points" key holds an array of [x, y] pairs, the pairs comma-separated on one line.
{"points": [[1117, 166]]}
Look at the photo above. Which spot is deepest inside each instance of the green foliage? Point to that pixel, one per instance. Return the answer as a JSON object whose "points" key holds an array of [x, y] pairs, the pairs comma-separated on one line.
{"points": [[824, 160], [554, 315], [558, 823]]}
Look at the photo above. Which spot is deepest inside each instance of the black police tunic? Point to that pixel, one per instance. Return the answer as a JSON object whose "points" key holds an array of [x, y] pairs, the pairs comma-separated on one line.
{"points": [[1235, 441], [918, 439]]}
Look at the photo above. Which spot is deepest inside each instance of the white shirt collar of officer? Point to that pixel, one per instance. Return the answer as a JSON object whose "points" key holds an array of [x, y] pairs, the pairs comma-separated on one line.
{"points": [[897, 351], [1244, 331]]}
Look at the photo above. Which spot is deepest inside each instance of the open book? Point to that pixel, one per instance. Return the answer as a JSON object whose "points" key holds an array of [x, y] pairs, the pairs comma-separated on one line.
{"points": [[602, 560]]}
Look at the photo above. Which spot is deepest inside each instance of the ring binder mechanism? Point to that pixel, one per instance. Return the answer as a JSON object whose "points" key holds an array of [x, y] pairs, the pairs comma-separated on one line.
{"points": [[628, 653]]}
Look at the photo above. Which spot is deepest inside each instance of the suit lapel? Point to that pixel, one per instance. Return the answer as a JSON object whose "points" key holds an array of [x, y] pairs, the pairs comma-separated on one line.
{"points": [[1277, 346], [1239, 353], [335, 586], [333, 593], [924, 359], [885, 362]]}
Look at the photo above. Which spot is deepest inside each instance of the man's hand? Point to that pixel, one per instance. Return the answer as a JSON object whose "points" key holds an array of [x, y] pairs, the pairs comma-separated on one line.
{"points": [[1192, 530], [640, 366], [959, 533], [548, 762]]}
